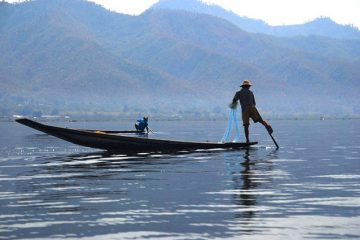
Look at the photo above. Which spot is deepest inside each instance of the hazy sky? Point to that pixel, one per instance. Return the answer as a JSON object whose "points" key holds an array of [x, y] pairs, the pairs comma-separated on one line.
{"points": [[274, 12]]}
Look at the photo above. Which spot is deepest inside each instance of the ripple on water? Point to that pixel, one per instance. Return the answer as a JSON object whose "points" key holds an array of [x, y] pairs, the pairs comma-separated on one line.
{"points": [[325, 201], [41, 176], [287, 160], [64, 193], [249, 192], [292, 227], [339, 176]]}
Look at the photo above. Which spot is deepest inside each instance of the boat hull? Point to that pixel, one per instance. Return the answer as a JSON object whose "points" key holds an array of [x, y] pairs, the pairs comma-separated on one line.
{"points": [[118, 142]]}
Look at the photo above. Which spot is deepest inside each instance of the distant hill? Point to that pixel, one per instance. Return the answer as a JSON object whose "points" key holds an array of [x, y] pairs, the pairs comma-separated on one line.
{"points": [[72, 56], [321, 26], [196, 6], [51, 57]]}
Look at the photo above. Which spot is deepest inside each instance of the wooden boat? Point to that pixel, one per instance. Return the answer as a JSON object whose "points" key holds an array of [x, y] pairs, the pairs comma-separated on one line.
{"points": [[118, 141]]}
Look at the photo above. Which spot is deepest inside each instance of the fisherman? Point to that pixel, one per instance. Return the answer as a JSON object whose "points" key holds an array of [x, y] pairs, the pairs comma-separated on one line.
{"points": [[142, 124], [248, 108]]}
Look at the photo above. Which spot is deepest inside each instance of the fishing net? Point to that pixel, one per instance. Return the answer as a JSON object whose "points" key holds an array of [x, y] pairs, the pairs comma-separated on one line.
{"points": [[232, 119]]}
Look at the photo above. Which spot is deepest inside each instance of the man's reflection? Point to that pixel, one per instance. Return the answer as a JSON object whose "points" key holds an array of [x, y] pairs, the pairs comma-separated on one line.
{"points": [[245, 178]]}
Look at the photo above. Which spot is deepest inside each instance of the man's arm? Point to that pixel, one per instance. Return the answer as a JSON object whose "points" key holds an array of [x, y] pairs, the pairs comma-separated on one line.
{"points": [[233, 104], [235, 98]]}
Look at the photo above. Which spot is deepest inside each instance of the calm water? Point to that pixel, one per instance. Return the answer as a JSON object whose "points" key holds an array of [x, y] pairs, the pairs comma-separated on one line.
{"points": [[308, 189]]}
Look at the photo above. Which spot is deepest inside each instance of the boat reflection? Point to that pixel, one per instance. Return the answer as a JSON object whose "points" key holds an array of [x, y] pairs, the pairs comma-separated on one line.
{"points": [[100, 191]]}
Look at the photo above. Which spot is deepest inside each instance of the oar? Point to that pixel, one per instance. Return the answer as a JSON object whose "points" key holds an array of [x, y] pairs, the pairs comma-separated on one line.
{"points": [[266, 127], [277, 146], [150, 130]]}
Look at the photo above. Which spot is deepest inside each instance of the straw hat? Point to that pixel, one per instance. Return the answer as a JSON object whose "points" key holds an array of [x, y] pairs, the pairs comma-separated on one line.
{"points": [[246, 83]]}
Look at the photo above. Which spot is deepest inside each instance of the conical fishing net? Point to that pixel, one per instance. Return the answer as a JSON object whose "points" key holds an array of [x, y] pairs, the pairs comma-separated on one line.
{"points": [[232, 119]]}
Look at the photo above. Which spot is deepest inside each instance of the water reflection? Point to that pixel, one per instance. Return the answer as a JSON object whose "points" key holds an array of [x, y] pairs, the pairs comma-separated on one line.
{"points": [[89, 194], [308, 189], [248, 174], [47, 193], [245, 183]]}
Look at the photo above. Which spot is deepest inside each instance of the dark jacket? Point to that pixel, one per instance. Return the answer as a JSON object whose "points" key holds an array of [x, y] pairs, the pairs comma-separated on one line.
{"points": [[246, 98], [141, 124]]}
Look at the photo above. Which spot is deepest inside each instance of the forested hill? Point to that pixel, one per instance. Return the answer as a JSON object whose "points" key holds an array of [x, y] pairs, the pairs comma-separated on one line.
{"points": [[72, 56]]}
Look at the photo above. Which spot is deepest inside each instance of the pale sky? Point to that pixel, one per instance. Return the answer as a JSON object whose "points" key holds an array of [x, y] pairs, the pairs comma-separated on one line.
{"points": [[274, 12]]}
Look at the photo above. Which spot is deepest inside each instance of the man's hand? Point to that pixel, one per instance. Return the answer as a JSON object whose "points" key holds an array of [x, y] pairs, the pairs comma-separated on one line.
{"points": [[233, 105]]}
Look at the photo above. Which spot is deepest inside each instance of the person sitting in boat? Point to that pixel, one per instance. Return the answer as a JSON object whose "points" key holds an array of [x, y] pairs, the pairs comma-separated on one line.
{"points": [[248, 108], [142, 124]]}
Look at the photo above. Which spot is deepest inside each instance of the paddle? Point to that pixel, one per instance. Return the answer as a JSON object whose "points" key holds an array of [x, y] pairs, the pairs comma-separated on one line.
{"points": [[268, 129], [150, 130], [277, 146]]}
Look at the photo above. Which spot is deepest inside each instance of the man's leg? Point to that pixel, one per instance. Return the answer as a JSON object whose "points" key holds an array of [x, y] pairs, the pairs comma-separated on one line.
{"points": [[267, 126], [246, 130], [255, 115], [246, 123]]}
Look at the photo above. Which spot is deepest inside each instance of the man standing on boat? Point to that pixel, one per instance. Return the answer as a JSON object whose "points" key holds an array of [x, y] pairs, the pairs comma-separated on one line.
{"points": [[142, 124], [248, 108]]}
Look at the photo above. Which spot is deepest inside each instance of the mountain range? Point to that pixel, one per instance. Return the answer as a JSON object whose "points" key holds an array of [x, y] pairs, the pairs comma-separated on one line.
{"points": [[322, 26], [73, 56]]}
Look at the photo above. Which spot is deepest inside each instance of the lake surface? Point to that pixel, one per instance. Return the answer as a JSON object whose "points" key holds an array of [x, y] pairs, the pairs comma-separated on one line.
{"points": [[308, 189]]}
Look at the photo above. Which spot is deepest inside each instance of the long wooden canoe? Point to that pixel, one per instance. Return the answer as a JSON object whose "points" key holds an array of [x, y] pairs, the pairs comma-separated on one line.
{"points": [[117, 141]]}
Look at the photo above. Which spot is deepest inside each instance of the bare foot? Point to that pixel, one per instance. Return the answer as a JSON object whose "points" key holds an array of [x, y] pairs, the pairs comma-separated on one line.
{"points": [[268, 127]]}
